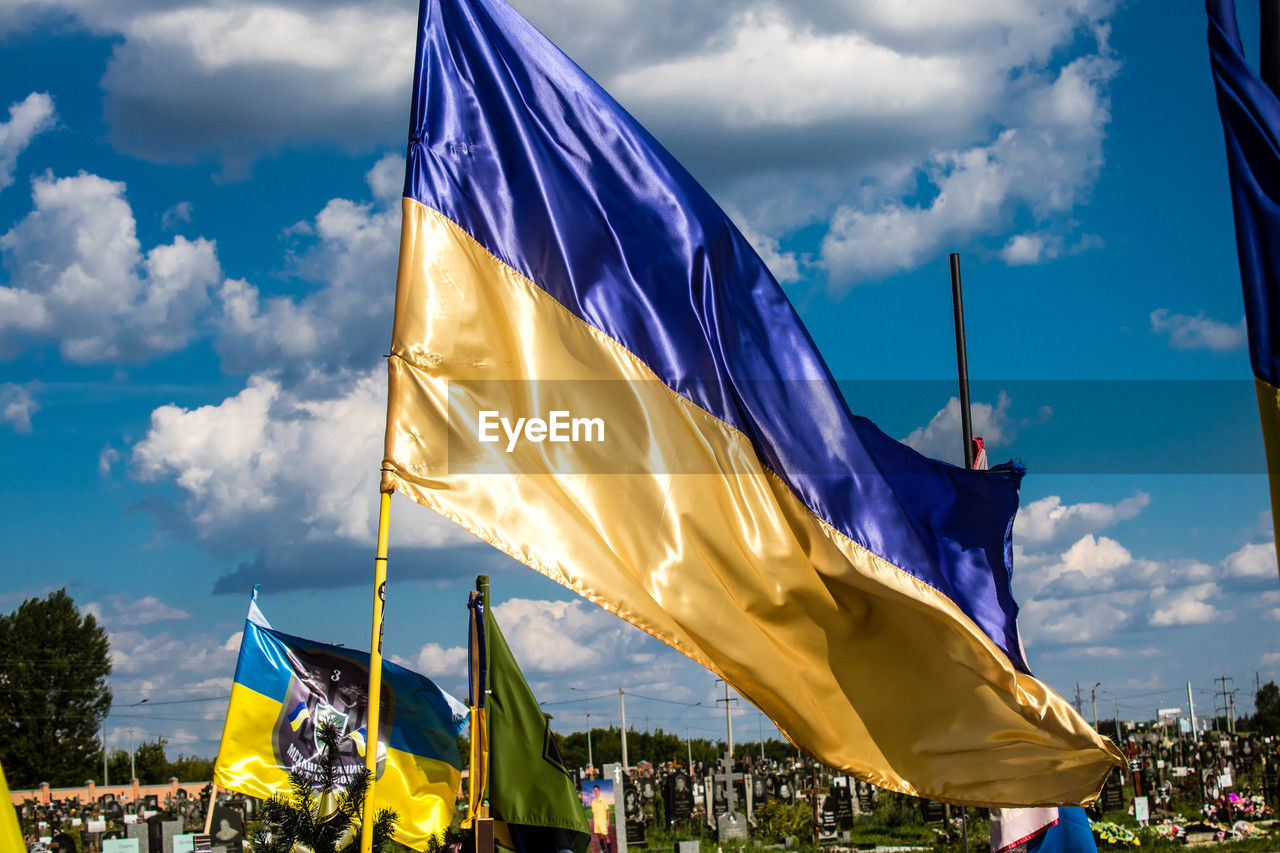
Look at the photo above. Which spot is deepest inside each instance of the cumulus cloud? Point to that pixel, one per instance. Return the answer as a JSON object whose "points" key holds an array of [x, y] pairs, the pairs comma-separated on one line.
{"points": [[1187, 606], [1049, 521], [290, 471], [77, 275], [1198, 332], [345, 319], [912, 127], [122, 610], [235, 80], [559, 643], [1252, 565], [1045, 164], [28, 118], [940, 438], [17, 405]]}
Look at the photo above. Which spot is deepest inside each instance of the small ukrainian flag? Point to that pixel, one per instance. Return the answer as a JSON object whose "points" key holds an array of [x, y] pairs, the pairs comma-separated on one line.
{"points": [[299, 715], [359, 737]]}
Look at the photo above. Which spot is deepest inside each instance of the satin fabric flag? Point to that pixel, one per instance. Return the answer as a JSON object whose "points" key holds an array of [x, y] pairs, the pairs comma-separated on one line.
{"points": [[1250, 115], [532, 799], [285, 687], [593, 371]]}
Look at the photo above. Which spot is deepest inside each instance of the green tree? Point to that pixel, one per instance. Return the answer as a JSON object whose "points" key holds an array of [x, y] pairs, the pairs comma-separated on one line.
{"points": [[54, 695], [1266, 717], [323, 821]]}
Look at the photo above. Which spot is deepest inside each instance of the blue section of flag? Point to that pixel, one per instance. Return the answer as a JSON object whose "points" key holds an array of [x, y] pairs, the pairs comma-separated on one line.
{"points": [[1071, 834], [1251, 123], [570, 191]]}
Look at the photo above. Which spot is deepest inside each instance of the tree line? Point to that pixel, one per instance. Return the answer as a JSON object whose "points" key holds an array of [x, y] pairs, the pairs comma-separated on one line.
{"points": [[54, 696]]}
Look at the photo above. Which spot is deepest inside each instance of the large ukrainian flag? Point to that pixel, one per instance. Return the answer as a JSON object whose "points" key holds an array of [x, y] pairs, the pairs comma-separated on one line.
{"points": [[556, 259], [1251, 123], [286, 686]]}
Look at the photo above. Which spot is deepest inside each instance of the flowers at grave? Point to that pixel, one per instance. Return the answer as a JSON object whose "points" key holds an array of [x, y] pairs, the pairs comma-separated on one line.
{"points": [[1234, 805], [1114, 835], [1168, 830]]}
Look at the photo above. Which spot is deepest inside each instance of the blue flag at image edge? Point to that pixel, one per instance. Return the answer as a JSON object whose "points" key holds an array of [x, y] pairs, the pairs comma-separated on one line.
{"points": [[1251, 124], [286, 686], [556, 259]]}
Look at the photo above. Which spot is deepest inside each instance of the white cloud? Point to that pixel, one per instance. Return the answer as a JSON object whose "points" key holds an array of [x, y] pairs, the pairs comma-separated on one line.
{"points": [[1198, 332], [77, 275], [107, 458], [1049, 520], [791, 113], [1253, 562], [279, 465], [436, 661], [1188, 606], [176, 216], [345, 320], [1045, 164], [940, 438], [28, 118], [17, 405], [236, 80], [120, 611]]}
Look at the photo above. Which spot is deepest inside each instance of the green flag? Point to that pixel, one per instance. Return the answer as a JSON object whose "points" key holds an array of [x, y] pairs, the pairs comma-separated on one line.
{"points": [[532, 799]]}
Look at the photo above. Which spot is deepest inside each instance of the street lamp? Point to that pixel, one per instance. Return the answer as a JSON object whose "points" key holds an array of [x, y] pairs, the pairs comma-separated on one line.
{"points": [[133, 770], [591, 764], [688, 745]]}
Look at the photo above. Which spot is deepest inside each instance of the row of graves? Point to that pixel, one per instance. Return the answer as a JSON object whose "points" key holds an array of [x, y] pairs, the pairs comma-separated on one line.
{"points": [[728, 802], [149, 825]]}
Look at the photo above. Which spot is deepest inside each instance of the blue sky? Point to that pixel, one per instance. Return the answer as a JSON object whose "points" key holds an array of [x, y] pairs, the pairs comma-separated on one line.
{"points": [[198, 226]]}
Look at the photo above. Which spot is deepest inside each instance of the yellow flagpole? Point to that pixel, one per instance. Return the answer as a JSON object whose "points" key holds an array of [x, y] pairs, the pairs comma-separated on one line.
{"points": [[375, 671]]}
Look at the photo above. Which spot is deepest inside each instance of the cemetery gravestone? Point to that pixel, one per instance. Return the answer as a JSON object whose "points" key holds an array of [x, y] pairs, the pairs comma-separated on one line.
{"points": [[227, 828], [679, 798], [844, 805], [866, 796], [1112, 799], [731, 825], [759, 789], [932, 811], [827, 822], [633, 813], [138, 831]]}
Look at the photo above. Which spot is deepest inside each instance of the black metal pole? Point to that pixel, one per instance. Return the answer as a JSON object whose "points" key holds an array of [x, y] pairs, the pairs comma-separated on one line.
{"points": [[1269, 36], [962, 361]]}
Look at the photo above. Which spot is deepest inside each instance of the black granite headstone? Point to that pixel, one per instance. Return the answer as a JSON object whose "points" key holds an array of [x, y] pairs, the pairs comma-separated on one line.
{"points": [[227, 826], [678, 797]]}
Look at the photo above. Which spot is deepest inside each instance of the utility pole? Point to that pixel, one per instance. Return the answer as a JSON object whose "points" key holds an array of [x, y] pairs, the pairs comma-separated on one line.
{"points": [[760, 722], [105, 783], [1119, 738], [1079, 710], [590, 760], [1093, 699], [1223, 680], [728, 725], [133, 770], [622, 707], [1191, 703]]}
